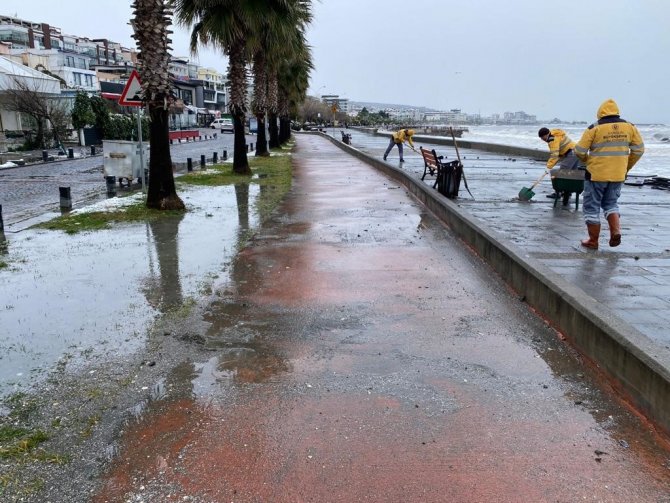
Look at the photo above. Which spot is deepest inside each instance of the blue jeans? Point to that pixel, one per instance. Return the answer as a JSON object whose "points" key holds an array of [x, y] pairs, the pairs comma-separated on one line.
{"points": [[598, 195], [391, 143]]}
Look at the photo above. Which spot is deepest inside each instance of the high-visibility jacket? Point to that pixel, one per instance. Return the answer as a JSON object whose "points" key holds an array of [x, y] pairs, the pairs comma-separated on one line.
{"points": [[404, 135], [559, 146], [610, 147]]}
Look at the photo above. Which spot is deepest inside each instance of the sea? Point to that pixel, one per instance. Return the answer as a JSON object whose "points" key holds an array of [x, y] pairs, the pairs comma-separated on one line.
{"points": [[654, 162]]}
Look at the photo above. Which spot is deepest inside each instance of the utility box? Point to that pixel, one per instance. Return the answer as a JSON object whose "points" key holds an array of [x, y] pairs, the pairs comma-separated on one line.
{"points": [[121, 159]]}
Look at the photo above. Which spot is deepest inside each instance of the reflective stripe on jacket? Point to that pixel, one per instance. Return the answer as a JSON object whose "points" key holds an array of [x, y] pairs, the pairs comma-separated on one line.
{"points": [[611, 146], [404, 135], [559, 146]]}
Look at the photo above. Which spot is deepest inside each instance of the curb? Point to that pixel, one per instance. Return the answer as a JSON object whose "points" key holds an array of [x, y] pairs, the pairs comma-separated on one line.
{"points": [[624, 353]]}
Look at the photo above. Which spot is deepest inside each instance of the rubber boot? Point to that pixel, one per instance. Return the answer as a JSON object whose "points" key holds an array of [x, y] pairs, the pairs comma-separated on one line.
{"points": [[615, 229], [594, 233]]}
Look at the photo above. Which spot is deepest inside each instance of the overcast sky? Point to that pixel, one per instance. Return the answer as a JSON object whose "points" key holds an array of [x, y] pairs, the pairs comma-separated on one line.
{"points": [[550, 59]]}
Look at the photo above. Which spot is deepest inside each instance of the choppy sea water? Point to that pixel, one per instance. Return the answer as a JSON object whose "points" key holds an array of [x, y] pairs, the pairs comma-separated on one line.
{"points": [[656, 160]]}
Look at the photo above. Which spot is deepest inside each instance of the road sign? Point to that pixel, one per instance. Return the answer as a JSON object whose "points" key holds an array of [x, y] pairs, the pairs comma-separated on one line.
{"points": [[132, 93], [334, 108]]}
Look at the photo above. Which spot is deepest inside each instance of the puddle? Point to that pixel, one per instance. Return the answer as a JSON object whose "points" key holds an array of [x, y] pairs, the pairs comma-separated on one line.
{"points": [[67, 297]]}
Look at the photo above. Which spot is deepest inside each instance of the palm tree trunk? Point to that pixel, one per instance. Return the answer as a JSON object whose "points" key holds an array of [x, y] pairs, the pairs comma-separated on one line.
{"points": [[272, 109], [261, 138], [273, 130], [151, 24], [162, 193], [238, 90], [284, 129], [259, 105]]}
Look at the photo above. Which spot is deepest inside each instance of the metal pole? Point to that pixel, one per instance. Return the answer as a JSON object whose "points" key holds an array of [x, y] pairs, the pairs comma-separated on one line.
{"points": [[139, 136]]}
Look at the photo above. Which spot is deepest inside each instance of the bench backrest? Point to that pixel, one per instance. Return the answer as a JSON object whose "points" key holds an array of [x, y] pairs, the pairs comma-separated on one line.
{"points": [[430, 158]]}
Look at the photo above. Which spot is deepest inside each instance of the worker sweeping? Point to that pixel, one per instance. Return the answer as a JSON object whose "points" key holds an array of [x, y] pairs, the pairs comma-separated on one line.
{"points": [[399, 138], [561, 150]]}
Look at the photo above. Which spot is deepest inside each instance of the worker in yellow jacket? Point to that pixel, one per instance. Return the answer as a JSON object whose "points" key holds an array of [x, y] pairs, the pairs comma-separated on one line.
{"points": [[399, 138], [610, 148], [561, 148]]}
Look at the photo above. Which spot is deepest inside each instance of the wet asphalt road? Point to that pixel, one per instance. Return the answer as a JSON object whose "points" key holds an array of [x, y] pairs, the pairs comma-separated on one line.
{"points": [[361, 353], [29, 191]]}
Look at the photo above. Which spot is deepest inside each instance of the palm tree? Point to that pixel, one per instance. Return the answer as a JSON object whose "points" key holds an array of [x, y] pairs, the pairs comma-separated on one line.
{"points": [[272, 45], [293, 48], [226, 25], [292, 83], [150, 25]]}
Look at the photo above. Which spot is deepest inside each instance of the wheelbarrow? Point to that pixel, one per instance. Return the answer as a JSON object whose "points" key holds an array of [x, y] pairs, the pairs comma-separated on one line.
{"points": [[566, 182]]}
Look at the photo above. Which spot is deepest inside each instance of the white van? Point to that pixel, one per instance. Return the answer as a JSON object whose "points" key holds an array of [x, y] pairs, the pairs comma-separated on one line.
{"points": [[225, 125]]}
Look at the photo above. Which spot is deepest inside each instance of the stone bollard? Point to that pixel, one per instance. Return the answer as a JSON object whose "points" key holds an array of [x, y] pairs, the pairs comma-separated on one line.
{"points": [[203, 161], [215, 157], [92, 149], [70, 153], [65, 198], [45, 155], [225, 155], [189, 164], [110, 181]]}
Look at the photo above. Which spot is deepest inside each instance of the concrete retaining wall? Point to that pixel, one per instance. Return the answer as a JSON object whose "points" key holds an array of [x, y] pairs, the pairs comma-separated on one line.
{"points": [[618, 348]]}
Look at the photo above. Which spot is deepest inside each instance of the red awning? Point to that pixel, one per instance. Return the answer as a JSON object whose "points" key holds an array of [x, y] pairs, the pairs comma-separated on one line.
{"points": [[111, 96]]}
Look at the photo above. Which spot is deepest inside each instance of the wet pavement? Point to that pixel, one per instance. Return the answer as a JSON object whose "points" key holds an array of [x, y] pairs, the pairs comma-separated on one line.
{"points": [[633, 280], [359, 352], [31, 190]]}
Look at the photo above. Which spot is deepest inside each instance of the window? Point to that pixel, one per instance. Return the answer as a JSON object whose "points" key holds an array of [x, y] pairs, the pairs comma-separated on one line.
{"points": [[89, 80], [69, 61], [77, 78]]}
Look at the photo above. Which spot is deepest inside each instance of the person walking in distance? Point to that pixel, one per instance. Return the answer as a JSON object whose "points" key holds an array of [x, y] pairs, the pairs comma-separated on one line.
{"points": [[609, 148], [399, 138]]}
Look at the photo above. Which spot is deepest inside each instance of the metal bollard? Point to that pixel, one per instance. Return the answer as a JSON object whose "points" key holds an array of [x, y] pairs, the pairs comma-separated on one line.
{"points": [[215, 136], [189, 164], [92, 149], [110, 181], [2, 224], [65, 198], [70, 153], [225, 155], [203, 161], [45, 155], [215, 157], [251, 147], [171, 141]]}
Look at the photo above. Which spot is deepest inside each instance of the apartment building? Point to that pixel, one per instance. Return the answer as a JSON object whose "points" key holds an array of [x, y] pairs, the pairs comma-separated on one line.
{"points": [[103, 66]]}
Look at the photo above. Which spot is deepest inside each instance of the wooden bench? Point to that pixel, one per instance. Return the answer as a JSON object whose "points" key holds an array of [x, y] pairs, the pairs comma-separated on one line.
{"points": [[447, 174], [431, 163]]}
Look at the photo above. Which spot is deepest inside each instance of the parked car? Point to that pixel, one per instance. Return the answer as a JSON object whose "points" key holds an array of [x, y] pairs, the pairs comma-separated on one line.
{"points": [[225, 125]]}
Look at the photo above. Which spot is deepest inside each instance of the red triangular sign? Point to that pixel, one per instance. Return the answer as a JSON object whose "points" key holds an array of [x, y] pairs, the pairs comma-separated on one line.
{"points": [[132, 93]]}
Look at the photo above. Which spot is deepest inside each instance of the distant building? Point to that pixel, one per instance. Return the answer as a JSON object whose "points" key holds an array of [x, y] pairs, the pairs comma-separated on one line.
{"points": [[13, 74], [342, 104], [103, 66]]}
